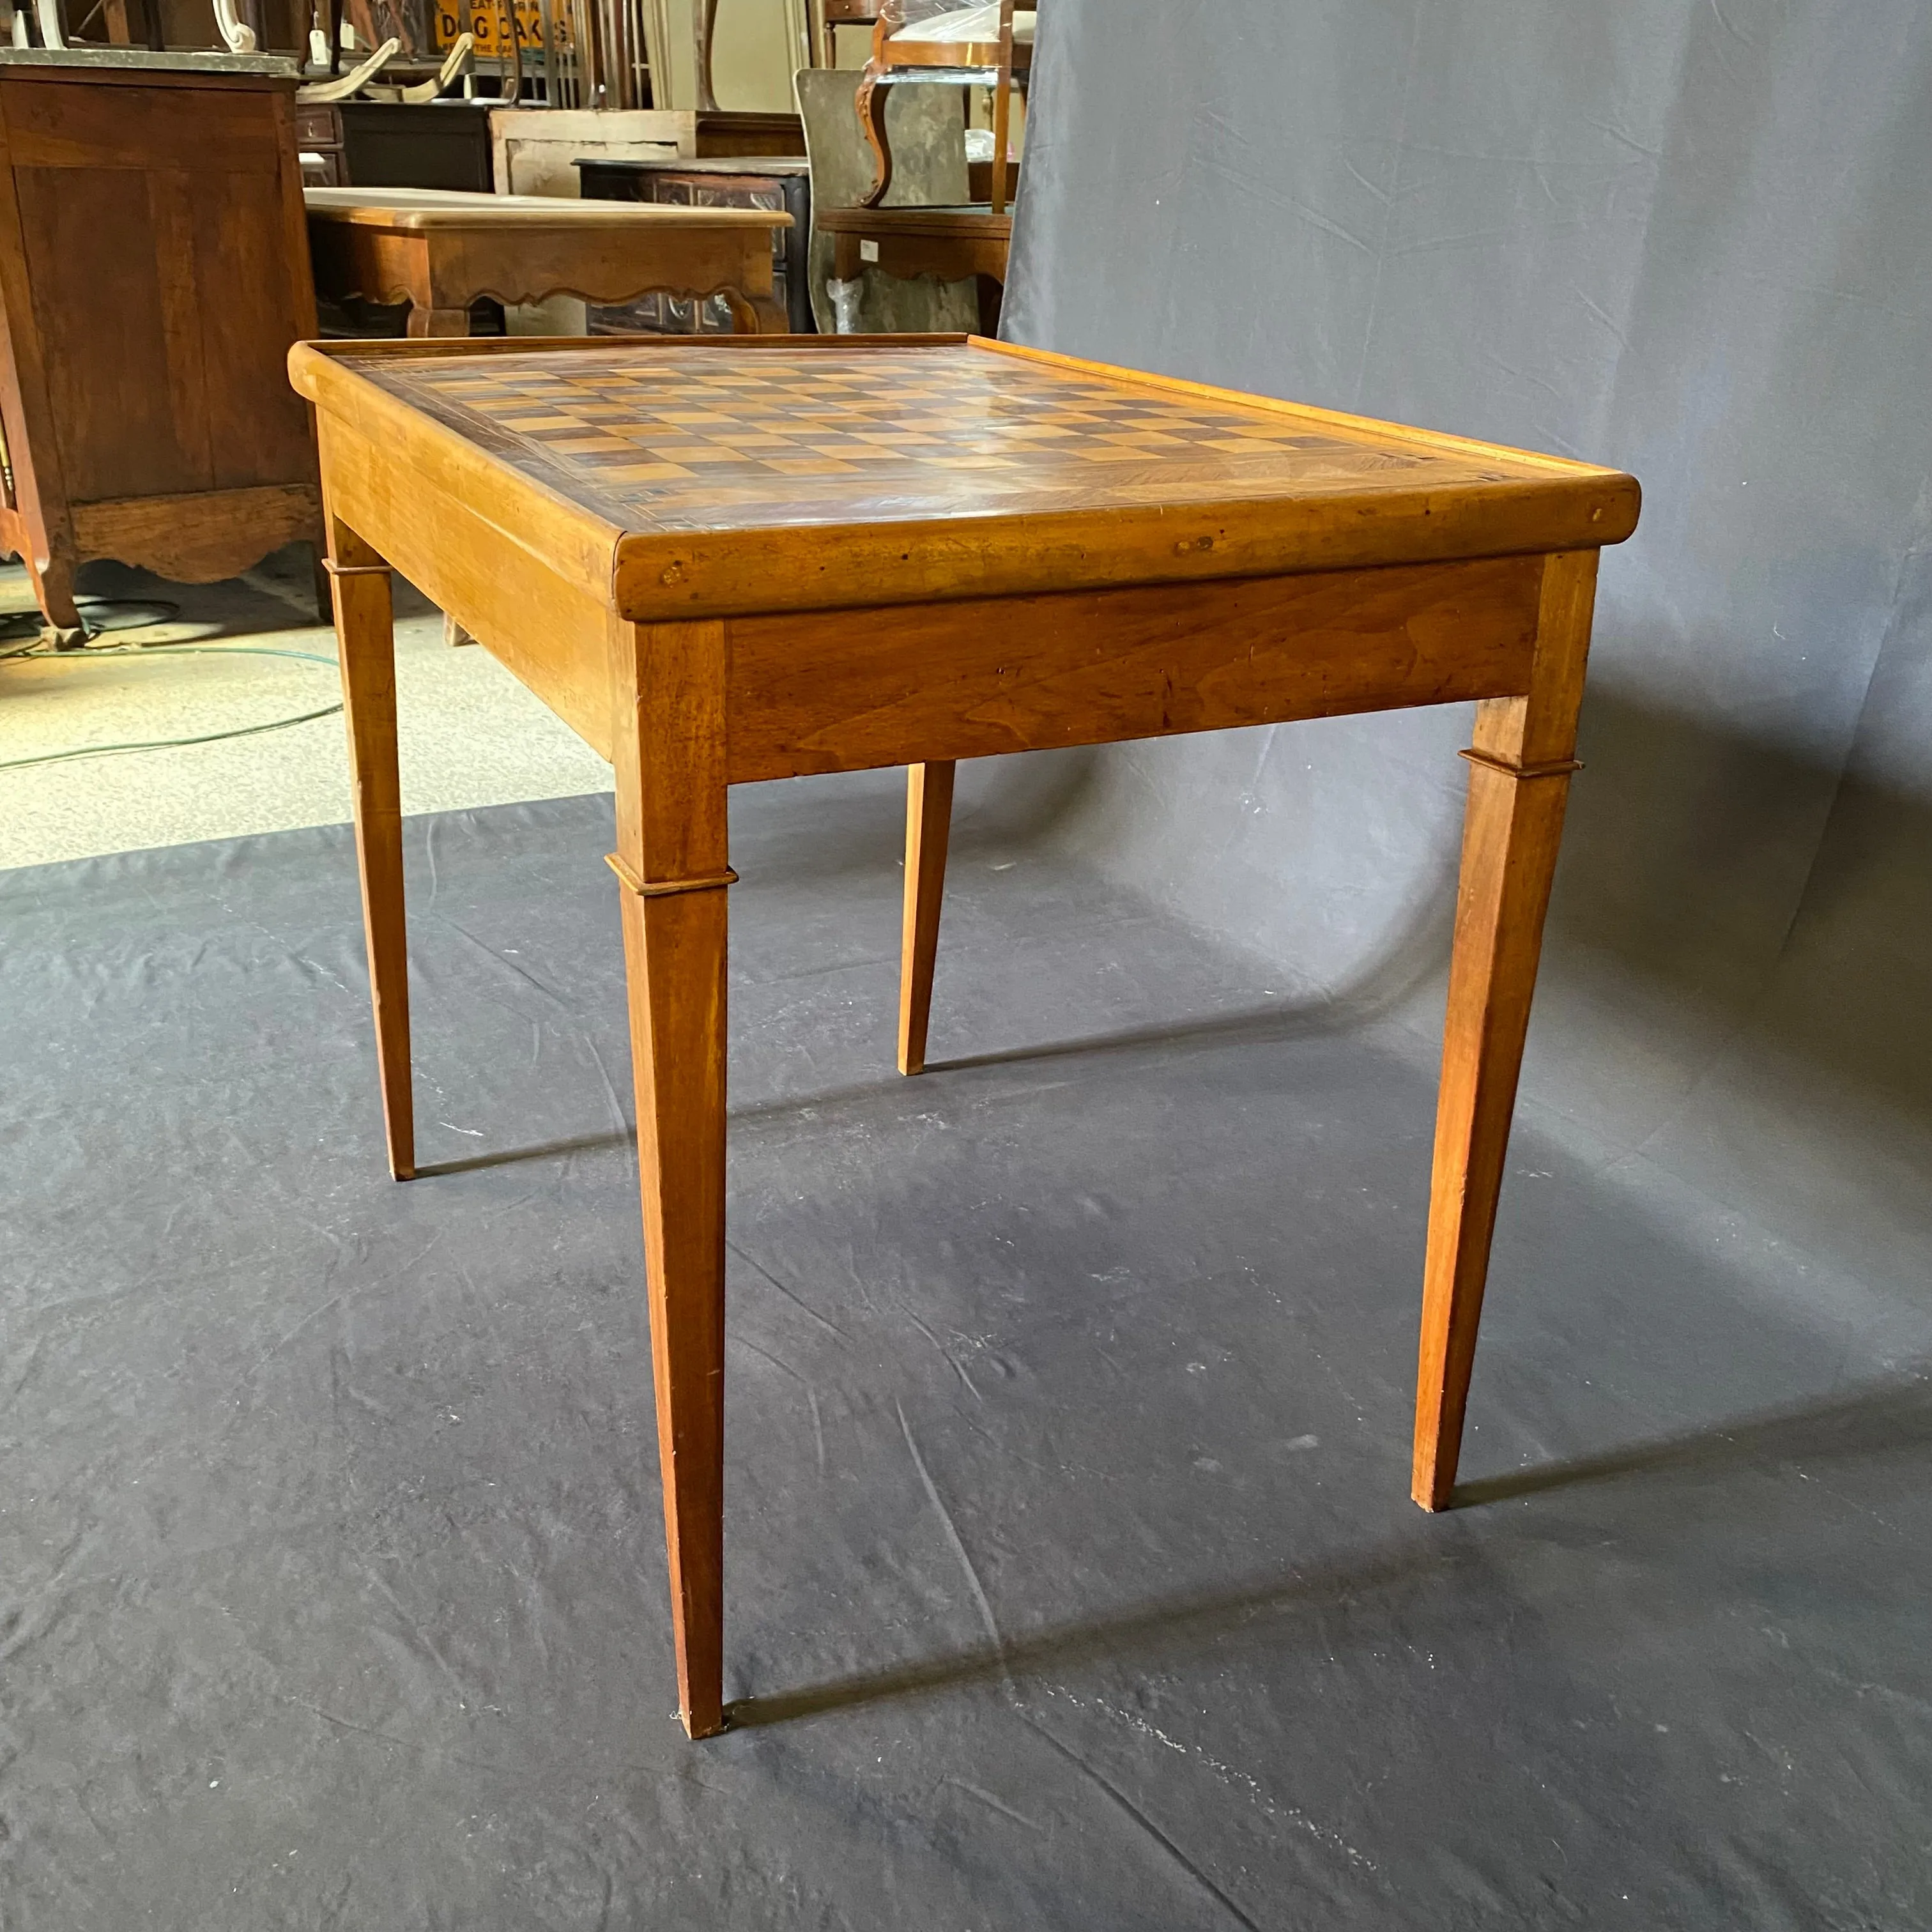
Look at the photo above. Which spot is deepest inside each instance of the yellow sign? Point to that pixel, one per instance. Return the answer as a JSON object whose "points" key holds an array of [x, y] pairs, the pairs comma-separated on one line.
{"points": [[486, 22]]}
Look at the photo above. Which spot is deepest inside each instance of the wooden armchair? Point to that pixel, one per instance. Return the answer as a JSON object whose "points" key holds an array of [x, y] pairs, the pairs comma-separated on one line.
{"points": [[928, 40]]}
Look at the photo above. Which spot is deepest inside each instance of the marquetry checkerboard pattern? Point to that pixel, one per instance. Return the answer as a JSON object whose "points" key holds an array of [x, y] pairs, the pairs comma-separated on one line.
{"points": [[669, 438]]}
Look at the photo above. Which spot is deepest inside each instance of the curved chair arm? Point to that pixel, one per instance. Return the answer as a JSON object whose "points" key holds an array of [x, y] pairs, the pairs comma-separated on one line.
{"points": [[350, 83], [235, 31], [458, 61]]}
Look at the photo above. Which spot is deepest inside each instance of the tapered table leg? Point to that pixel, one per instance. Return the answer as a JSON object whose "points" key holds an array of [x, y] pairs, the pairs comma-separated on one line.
{"points": [[928, 823], [1519, 782], [670, 862], [365, 640], [674, 947]]}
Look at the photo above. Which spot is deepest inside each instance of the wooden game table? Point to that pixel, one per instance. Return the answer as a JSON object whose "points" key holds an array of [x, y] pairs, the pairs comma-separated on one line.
{"points": [[726, 560], [440, 250]]}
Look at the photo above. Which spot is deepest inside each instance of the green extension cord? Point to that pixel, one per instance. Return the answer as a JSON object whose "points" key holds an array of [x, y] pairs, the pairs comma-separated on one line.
{"points": [[169, 744]]}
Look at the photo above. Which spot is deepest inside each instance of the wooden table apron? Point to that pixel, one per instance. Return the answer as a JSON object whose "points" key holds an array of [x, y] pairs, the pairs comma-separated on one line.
{"points": [[441, 265], [697, 653], [949, 243]]}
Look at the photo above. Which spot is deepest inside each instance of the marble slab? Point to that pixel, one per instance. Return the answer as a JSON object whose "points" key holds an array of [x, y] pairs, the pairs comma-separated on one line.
{"points": [[187, 60]]}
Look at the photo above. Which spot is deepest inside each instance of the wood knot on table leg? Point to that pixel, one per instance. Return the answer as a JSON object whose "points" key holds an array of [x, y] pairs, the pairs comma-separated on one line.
{"points": [[652, 889]]}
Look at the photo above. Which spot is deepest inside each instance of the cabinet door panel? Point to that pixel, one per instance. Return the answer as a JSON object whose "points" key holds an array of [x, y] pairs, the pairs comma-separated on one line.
{"points": [[258, 426], [109, 264]]}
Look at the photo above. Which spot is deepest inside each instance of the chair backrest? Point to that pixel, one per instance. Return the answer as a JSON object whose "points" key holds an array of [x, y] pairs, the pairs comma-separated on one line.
{"points": [[927, 126]]}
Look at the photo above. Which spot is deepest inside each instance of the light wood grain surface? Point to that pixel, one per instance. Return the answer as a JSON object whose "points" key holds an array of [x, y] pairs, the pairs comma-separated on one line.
{"points": [[422, 208]]}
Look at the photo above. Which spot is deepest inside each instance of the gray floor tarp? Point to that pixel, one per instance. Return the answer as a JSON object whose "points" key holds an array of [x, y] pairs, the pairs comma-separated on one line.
{"points": [[1072, 1577]]}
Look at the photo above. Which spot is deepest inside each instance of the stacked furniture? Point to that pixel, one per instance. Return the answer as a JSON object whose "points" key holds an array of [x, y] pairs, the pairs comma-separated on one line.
{"points": [[534, 150], [925, 42], [928, 134], [918, 44]]}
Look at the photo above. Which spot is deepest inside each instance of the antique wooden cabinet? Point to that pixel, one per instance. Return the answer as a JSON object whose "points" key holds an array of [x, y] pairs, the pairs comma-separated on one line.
{"points": [[153, 273]]}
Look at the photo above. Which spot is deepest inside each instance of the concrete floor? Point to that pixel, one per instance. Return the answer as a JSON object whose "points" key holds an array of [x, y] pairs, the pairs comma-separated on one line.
{"points": [[470, 735]]}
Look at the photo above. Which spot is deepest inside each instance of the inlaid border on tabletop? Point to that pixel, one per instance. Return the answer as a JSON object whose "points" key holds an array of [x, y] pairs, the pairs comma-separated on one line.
{"points": [[869, 470]]}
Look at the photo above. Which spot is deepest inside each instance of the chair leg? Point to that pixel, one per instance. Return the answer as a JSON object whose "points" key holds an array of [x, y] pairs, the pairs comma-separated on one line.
{"points": [[1518, 782], [928, 823], [365, 639]]}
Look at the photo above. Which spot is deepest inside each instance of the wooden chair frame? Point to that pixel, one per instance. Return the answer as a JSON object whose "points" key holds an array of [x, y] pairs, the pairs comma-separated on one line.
{"points": [[1005, 56]]}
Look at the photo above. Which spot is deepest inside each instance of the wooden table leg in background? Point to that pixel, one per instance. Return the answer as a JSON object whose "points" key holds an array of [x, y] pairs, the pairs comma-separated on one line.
{"points": [[437, 307], [423, 320], [365, 639], [760, 314], [53, 591], [324, 593], [1519, 782], [928, 823], [991, 295], [668, 749]]}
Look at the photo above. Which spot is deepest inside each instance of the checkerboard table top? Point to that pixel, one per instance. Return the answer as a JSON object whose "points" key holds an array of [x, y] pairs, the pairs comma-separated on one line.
{"points": [[690, 438], [734, 475]]}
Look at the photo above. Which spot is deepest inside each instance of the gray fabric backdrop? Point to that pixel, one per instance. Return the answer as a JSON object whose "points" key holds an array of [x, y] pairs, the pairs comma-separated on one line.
{"points": [[1690, 238]]}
